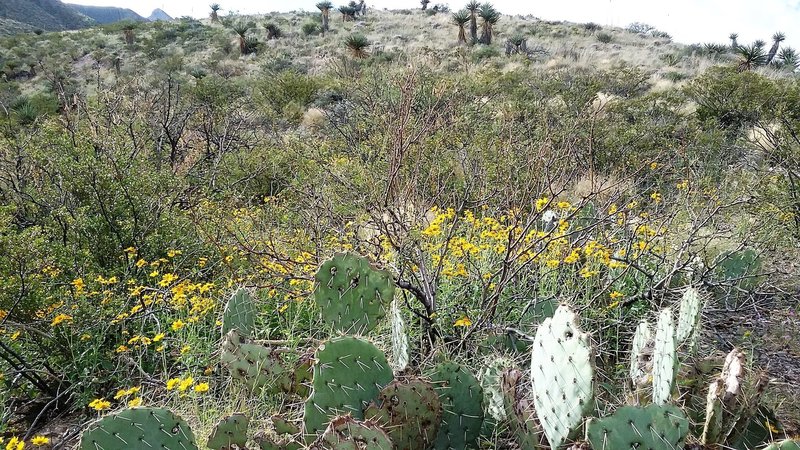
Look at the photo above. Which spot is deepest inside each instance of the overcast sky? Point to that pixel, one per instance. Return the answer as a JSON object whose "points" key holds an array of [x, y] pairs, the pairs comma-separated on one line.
{"points": [[687, 21]]}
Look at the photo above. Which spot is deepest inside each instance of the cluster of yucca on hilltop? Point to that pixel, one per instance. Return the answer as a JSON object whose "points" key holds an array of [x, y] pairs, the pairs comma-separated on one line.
{"points": [[755, 55], [470, 14]]}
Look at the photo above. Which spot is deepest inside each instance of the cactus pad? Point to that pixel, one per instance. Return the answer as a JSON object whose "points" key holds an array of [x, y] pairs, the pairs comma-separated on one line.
{"points": [[139, 428], [230, 433], [399, 339], [351, 294], [562, 371], [410, 411], [255, 365], [346, 433], [641, 355], [348, 374], [239, 314], [665, 361], [518, 402], [789, 444], [491, 378], [462, 403], [654, 427], [688, 318]]}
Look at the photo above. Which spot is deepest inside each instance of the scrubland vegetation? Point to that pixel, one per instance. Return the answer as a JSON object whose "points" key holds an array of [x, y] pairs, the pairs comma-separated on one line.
{"points": [[152, 173]]}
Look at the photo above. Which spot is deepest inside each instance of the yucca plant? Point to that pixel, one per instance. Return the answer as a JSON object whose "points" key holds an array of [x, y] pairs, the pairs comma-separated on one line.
{"points": [[348, 13], [424, 4], [325, 8], [751, 56], [357, 44], [490, 17], [214, 10], [460, 19], [127, 31], [273, 32], [789, 59], [473, 7], [777, 38], [733, 37], [241, 30]]}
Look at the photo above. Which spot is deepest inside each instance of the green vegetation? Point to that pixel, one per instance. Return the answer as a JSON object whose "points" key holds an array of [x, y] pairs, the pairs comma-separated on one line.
{"points": [[360, 234]]}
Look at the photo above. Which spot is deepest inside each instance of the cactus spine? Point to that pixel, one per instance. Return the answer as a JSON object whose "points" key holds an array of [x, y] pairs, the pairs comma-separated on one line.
{"points": [[255, 365], [399, 339], [562, 372], [664, 358], [346, 433], [239, 314], [462, 400], [641, 355], [688, 318], [410, 411]]}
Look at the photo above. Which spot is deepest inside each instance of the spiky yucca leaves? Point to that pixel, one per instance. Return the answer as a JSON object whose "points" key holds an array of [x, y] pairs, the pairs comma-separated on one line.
{"points": [[789, 59], [490, 17], [214, 12], [357, 44], [241, 29], [733, 37], [325, 8], [777, 38], [424, 4], [473, 7], [460, 19], [273, 32], [751, 56], [348, 13]]}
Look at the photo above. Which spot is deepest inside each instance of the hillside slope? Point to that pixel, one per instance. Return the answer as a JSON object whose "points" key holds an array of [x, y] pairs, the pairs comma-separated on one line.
{"points": [[48, 15], [107, 14], [158, 14]]}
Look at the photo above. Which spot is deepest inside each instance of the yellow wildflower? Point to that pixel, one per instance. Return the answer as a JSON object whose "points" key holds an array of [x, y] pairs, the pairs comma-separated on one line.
{"points": [[172, 383], [167, 279], [564, 205], [541, 203], [100, 404], [135, 402], [177, 325], [40, 440], [186, 349], [122, 349], [158, 337], [141, 263], [186, 384], [615, 295], [15, 444], [464, 321], [78, 284], [60, 318], [130, 250], [656, 197], [201, 388], [173, 253]]}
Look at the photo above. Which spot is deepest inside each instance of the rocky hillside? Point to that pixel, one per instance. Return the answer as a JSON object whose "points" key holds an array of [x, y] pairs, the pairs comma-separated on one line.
{"points": [[107, 14], [50, 15]]}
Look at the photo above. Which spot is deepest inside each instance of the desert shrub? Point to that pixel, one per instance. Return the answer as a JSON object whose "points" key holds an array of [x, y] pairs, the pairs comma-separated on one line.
{"points": [[674, 76], [639, 28], [604, 38], [482, 52], [310, 28], [729, 97], [277, 91], [592, 27]]}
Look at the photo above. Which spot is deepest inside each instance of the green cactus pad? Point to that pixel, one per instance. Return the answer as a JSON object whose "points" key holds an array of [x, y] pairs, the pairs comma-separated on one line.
{"points": [[348, 374], [351, 294], [688, 318], [788, 444], [284, 426], [641, 355], [410, 411], [138, 428], [491, 377], [562, 371], [239, 314], [462, 402], [258, 367], [518, 402], [665, 361], [654, 427], [346, 433], [230, 433], [268, 443]]}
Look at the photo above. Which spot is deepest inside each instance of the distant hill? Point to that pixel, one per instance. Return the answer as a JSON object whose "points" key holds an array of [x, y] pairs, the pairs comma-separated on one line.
{"points": [[9, 27], [50, 15], [107, 14], [158, 14]]}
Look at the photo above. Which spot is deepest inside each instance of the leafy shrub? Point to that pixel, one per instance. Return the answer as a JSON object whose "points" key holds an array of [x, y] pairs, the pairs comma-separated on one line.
{"points": [[592, 27], [310, 28], [605, 38], [639, 28], [482, 52]]}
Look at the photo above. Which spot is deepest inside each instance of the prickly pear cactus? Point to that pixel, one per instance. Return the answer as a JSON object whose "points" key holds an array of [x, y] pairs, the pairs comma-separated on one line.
{"points": [[351, 294], [348, 374], [288, 435], [346, 433], [653, 427], [462, 401], [138, 428], [239, 314], [410, 411], [399, 339], [688, 318], [641, 355], [518, 401], [230, 433], [491, 378], [721, 402], [665, 361], [283, 426], [255, 365], [789, 444], [562, 371]]}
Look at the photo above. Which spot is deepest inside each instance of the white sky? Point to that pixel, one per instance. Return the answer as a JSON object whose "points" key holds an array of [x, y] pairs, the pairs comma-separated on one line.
{"points": [[687, 21]]}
